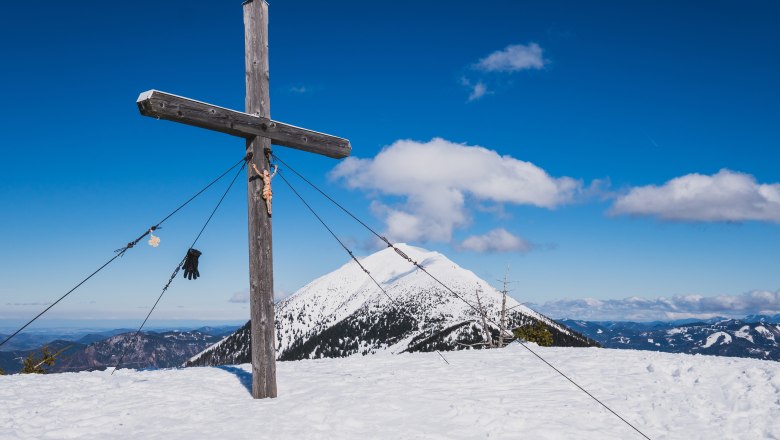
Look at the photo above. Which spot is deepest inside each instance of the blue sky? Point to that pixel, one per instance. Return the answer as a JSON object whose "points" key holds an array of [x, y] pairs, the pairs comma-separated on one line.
{"points": [[580, 144]]}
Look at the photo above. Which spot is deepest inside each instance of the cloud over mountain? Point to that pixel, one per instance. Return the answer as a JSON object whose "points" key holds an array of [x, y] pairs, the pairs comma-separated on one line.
{"points": [[439, 181], [497, 240]]}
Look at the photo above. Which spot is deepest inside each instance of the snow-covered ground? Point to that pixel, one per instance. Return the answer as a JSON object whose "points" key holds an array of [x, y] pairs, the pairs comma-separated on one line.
{"points": [[492, 394]]}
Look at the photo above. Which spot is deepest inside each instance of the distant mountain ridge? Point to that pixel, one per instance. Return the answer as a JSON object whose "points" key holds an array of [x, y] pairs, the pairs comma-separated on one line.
{"points": [[147, 350], [32, 340], [757, 336], [344, 313], [96, 351]]}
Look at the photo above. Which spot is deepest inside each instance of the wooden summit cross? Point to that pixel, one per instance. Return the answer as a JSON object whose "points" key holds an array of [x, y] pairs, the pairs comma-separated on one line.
{"points": [[259, 131]]}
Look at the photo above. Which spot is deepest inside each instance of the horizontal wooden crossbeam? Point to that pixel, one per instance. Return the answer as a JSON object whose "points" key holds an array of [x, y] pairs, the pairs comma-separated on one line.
{"points": [[163, 105]]}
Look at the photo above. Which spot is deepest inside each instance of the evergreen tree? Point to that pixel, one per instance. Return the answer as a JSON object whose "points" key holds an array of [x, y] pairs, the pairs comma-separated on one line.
{"points": [[536, 333], [37, 364]]}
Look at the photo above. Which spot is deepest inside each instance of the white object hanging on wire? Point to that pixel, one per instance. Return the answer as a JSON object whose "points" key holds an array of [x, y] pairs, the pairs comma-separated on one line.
{"points": [[154, 240]]}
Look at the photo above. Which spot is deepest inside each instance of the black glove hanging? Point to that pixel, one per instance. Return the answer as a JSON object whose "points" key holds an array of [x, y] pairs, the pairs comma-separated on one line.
{"points": [[191, 264]]}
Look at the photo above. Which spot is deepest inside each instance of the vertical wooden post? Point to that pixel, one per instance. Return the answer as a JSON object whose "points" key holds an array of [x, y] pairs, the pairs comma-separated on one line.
{"points": [[261, 271], [488, 337], [503, 313]]}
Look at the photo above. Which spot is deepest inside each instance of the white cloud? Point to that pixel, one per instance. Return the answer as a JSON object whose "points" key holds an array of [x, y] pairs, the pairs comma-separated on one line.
{"points": [[677, 307], [440, 182], [497, 240], [478, 91], [299, 89], [727, 196], [513, 58], [242, 297]]}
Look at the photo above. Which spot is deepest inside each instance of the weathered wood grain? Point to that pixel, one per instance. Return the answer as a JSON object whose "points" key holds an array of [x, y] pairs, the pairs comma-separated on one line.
{"points": [[261, 269], [162, 105], [256, 126]]}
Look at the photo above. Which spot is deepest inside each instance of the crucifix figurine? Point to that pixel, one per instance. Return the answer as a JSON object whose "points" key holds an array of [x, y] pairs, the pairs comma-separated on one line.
{"points": [[256, 126], [267, 194]]}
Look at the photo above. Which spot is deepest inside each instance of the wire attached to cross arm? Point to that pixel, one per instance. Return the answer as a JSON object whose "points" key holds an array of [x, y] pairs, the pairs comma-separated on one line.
{"points": [[351, 254], [179, 266], [419, 266]]}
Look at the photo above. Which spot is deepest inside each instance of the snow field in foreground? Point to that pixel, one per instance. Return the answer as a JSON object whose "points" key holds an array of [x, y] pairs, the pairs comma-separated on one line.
{"points": [[504, 394]]}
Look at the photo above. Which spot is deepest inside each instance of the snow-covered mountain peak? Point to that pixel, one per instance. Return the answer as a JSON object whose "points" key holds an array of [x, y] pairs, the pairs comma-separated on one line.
{"points": [[345, 312], [341, 292], [387, 266]]}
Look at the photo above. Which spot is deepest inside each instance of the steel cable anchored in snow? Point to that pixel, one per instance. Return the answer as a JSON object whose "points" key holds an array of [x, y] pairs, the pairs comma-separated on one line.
{"points": [[121, 251], [406, 257], [192, 254]]}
